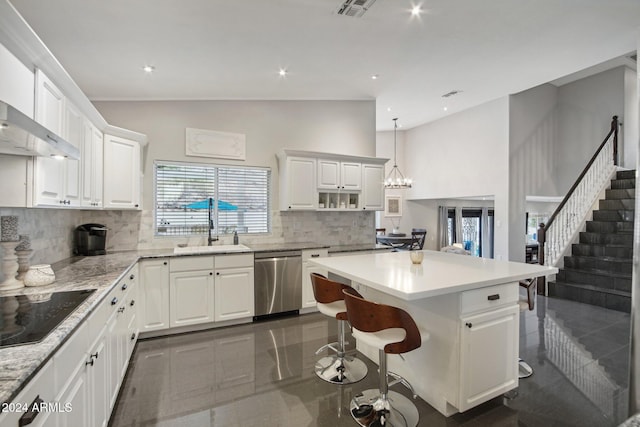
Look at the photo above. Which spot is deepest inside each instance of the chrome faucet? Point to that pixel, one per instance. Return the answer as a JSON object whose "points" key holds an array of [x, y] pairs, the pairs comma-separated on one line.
{"points": [[211, 239]]}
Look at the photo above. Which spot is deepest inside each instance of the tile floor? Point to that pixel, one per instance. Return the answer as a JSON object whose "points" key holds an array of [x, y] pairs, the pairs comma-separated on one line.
{"points": [[261, 374]]}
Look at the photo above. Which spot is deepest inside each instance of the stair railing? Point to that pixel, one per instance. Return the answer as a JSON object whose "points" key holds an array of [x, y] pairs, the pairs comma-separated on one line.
{"points": [[557, 233]]}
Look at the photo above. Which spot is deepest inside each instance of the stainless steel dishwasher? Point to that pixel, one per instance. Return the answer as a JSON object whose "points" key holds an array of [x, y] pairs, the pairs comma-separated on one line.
{"points": [[277, 283]]}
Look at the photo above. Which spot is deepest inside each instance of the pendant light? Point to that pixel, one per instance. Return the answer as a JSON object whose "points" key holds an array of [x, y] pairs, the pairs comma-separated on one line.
{"points": [[396, 179]]}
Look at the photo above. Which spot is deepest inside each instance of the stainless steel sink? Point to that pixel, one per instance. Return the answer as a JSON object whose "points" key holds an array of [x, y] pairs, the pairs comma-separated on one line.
{"points": [[211, 249]]}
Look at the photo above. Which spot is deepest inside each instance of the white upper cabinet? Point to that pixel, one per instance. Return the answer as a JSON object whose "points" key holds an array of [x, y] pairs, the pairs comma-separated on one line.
{"points": [[74, 133], [337, 175], [122, 169], [373, 188], [324, 181], [17, 83], [49, 173], [298, 183], [92, 166]]}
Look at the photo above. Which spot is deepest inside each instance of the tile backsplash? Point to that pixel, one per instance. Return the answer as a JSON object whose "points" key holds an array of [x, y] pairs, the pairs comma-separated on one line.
{"points": [[51, 230]]}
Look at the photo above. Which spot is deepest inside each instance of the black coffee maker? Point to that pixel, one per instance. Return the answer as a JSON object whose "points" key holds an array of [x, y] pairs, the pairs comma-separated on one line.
{"points": [[90, 239]]}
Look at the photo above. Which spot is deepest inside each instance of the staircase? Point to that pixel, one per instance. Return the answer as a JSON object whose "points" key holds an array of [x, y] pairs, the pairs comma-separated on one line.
{"points": [[598, 272]]}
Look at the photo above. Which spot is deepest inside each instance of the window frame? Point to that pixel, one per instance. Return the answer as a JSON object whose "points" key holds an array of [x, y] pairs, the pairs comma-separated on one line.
{"points": [[217, 230]]}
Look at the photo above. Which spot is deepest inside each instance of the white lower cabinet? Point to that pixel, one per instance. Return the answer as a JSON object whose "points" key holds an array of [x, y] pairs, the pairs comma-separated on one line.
{"points": [[308, 299], [485, 372], [191, 296], [154, 293], [489, 337], [99, 381], [40, 389], [233, 293], [193, 290]]}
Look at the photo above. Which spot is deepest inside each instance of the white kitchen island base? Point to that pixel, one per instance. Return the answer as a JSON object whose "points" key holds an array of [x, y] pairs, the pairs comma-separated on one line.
{"points": [[469, 307], [459, 366]]}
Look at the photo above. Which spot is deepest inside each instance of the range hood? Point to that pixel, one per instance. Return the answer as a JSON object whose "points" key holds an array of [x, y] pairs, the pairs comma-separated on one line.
{"points": [[22, 136]]}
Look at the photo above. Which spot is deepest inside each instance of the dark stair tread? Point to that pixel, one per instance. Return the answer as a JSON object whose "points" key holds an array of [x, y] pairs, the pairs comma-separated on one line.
{"points": [[603, 258], [593, 288], [598, 272]]}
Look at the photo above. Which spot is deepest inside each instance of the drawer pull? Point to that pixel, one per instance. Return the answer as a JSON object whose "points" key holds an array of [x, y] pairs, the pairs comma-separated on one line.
{"points": [[124, 286], [114, 301], [315, 255], [468, 325], [121, 309], [132, 303], [132, 277], [34, 410], [493, 297], [133, 337]]}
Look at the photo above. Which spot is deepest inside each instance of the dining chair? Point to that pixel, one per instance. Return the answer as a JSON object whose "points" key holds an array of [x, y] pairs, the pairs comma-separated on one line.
{"points": [[418, 236]]}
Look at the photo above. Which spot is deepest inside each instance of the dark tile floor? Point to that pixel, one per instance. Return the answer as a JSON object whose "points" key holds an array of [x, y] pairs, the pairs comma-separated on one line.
{"points": [[261, 374]]}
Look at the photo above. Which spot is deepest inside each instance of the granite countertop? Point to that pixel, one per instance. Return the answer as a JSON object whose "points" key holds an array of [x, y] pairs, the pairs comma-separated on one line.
{"points": [[18, 364]]}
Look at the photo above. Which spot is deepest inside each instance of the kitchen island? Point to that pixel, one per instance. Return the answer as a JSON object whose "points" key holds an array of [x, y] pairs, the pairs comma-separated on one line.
{"points": [[469, 307]]}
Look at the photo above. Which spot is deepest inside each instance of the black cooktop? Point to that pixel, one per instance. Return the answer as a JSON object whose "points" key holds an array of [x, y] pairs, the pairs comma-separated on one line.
{"points": [[26, 319]]}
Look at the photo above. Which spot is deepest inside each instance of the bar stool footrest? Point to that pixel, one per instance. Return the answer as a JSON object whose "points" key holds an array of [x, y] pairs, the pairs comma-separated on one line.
{"points": [[397, 410], [340, 370]]}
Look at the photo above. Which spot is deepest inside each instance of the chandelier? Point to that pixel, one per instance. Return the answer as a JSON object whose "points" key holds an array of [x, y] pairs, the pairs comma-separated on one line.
{"points": [[395, 178]]}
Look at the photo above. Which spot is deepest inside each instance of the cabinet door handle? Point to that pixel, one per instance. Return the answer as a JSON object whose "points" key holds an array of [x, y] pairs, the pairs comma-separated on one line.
{"points": [[132, 277], [121, 310], [133, 336], [94, 355], [217, 273], [211, 273], [114, 301], [164, 263], [124, 286], [493, 297], [132, 303], [468, 325], [89, 362], [34, 410]]}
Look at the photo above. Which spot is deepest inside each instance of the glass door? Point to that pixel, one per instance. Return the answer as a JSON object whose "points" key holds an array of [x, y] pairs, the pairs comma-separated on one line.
{"points": [[475, 236]]}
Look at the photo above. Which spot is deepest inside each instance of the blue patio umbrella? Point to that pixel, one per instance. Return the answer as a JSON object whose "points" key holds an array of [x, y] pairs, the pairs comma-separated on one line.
{"points": [[204, 204]]}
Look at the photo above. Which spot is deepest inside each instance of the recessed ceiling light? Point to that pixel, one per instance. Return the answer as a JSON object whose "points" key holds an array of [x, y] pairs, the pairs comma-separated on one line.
{"points": [[416, 10], [148, 68], [282, 72], [445, 108], [388, 108], [374, 77]]}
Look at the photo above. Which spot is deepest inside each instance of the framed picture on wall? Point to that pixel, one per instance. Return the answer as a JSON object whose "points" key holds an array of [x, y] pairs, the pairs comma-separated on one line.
{"points": [[393, 205]]}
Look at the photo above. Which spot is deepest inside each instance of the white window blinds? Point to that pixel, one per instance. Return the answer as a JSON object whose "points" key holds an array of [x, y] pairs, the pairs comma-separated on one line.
{"points": [[239, 199]]}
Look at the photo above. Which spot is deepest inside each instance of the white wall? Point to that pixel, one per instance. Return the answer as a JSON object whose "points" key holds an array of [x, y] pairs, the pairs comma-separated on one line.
{"points": [[465, 154], [585, 109], [532, 139], [631, 125]]}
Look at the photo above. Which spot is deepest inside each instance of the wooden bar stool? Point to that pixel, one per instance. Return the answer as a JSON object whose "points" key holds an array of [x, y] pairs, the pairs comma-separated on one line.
{"points": [[393, 331], [338, 368]]}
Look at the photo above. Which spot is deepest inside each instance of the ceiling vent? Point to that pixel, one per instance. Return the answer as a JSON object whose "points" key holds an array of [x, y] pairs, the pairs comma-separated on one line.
{"points": [[354, 8]]}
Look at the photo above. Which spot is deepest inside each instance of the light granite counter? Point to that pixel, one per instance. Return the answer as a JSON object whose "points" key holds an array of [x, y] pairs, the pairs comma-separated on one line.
{"points": [[18, 364]]}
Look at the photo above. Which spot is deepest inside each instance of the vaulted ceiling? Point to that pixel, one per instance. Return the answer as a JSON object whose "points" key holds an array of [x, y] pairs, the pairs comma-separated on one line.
{"points": [[224, 50]]}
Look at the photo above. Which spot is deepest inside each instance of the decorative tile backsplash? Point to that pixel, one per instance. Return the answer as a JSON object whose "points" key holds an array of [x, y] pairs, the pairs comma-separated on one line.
{"points": [[51, 230]]}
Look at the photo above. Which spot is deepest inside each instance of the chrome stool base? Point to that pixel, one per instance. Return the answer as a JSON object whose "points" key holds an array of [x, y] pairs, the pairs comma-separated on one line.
{"points": [[524, 369], [369, 409], [340, 370]]}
